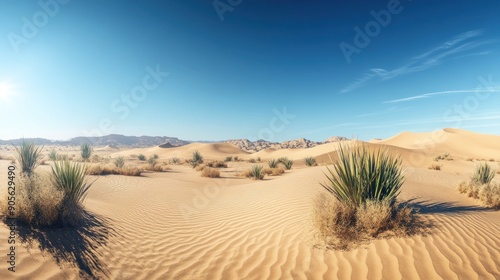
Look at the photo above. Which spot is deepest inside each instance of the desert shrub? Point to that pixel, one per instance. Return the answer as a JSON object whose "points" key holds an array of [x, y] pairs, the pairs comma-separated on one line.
{"points": [[86, 151], [155, 156], [174, 160], [69, 178], [96, 158], [445, 156], [435, 167], [483, 174], [489, 194], [98, 169], [38, 201], [217, 164], [282, 159], [258, 159], [288, 164], [236, 158], [341, 226], [155, 168], [274, 171], [196, 159], [228, 159], [273, 163], [252, 160], [119, 162], [256, 172], [152, 161], [28, 156], [53, 155], [200, 167], [361, 175], [210, 172], [310, 161], [141, 157]]}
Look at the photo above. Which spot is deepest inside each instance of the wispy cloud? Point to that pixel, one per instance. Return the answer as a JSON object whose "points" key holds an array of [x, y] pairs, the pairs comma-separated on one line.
{"points": [[430, 94], [455, 48]]}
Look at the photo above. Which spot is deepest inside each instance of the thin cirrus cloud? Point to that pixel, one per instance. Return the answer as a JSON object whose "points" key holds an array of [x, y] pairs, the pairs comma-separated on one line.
{"points": [[437, 93], [455, 48]]}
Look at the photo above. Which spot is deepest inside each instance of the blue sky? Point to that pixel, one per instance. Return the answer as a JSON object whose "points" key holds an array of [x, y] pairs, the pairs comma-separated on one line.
{"points": [[212, 70]]}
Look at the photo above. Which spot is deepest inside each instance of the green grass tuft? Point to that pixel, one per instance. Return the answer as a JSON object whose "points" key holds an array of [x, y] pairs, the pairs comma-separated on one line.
{"points": [[28, 156]]}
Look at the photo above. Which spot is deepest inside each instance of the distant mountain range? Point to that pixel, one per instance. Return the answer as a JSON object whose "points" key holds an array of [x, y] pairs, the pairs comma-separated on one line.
{"points": [[117, 140]]}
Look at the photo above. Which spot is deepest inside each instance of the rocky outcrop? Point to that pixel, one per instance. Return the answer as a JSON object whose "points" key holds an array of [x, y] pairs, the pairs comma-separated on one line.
{"points": [[300, 143]]}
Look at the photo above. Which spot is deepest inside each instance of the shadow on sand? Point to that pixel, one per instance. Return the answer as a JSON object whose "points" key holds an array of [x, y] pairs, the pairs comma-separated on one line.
{"points": [[428, 207], [76, 245]]}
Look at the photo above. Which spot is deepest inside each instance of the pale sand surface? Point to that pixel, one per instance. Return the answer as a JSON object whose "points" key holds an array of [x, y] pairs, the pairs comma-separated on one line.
{"points": [[178, 225]]}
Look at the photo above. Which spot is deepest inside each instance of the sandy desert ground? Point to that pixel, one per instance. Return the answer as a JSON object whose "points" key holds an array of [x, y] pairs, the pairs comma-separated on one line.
{"points": [[179, 225]]}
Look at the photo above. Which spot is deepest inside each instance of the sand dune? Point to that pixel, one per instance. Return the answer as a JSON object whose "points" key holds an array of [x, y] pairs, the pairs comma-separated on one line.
{"points": [[178, 225]]}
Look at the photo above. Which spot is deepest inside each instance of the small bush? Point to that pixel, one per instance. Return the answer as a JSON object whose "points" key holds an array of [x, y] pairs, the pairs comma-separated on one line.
{"points": [[310, 161], [210, 172], [273, 163], [152, 162], [86, 151], [217, 164], [435, 167], [155, 156], [228, 159], [341, 226], [98, 169], [483, 174], [252, 160], [489, 194], [445, 156], [288, 164], [196, 159], [174, 160], [235, 158], [258, 159], [282, 159], [256, 172], [141, 157], [53, 155], [119, 162], [200, 167], [274, 171], [28, 156]]}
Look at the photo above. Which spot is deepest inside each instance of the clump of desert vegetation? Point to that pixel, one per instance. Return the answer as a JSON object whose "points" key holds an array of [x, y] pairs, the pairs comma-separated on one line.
{"points": [[445, 156], [273, 163], [86, 151], [480, 186], [361, 199], [48, 199], [210, 172], [228, 158], [287, 163], [310, 161], [119, 162], [53, 155], [274, 171], [217, 164], [256, 172], [196, 159], [141, 157], [174, 160], [435, 167]]}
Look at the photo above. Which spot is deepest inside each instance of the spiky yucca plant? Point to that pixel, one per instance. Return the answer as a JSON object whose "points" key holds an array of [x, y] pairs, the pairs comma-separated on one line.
{"points": [[69, 177], [196, 159], [273, 163], [86, 151], [483, 174], [28, 156], [288, 164], [257, 172], [361, 175], [310, 161]]}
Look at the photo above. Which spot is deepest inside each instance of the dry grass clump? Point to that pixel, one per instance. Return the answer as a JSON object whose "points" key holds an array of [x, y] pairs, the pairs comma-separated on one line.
{"points": [[217, 164], [480, 186], [99, 169], [340, 226], [435, 167], [445, 156], [228, 159], [256, 172], [210, 172], [155, 168], [274, 171], [174, 160], [38, 201]]}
